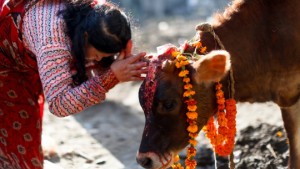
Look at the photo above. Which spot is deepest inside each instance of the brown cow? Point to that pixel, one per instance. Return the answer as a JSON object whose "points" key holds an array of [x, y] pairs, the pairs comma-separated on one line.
{"points": [[263, 39]]}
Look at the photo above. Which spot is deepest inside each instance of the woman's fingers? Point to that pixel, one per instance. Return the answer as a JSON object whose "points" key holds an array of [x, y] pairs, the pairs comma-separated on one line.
{"points": [[135, 71], [137, 65], [130, 68], [138, 68], [138, 72], [136, 57]]}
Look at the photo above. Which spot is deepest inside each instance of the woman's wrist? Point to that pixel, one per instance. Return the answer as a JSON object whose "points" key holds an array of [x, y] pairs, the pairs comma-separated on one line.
{"points": [[107, 80]]}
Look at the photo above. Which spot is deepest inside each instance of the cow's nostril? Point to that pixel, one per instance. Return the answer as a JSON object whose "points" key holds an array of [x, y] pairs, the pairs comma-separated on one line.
{"points": [[145, 162]]}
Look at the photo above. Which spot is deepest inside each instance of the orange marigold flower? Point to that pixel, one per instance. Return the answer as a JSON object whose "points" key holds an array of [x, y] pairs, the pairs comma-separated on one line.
{"points": [[279, 134], [193, 142], [213, 140], [231, 111], [221, 107], [230, 108], [186, 94], [190, 164], [197, 44], [193, 135], [231, 101], [223, 140], [186, 80], [221, 101], [176, 158], [189, 93], [220, 139], [219, 94], [181, 57], [178, 65], [204, 128], [188, 86], [175, 53], [192, 107], [232, 132], [192, 115], [192, 128], [190, 167], [223, 130], [191, 101], [191, 151], [183, 73], [177, 166], [192, 92], [230, 142], [203, 49], [182, 63], [218, 86], [222, 121], [221, 151]]}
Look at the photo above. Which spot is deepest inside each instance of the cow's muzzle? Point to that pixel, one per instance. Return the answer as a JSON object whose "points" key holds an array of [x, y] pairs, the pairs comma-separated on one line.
{"points": [[151, 160]]}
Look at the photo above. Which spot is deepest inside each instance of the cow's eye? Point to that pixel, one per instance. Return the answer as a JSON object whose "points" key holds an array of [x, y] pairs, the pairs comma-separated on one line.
{"points": [[169, 105]]}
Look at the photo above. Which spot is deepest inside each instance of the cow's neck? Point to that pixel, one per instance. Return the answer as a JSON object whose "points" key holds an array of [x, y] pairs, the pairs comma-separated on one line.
{"points": [[243, 36], [252, 76], [254, 37]]}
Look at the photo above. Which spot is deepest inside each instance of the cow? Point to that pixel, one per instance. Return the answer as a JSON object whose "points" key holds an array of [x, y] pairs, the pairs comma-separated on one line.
{"points": [[262, 42]]}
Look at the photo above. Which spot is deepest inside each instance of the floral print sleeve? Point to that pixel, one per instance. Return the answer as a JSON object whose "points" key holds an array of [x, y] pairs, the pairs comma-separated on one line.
{"points": [[44, 36]]}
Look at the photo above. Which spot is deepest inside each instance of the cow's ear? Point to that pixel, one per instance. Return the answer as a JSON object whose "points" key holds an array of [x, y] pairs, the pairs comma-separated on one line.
{"points": [[212, 67]]}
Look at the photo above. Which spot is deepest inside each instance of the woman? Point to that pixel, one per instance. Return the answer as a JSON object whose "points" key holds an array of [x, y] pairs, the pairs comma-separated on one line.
{"points": [[52, 47]]}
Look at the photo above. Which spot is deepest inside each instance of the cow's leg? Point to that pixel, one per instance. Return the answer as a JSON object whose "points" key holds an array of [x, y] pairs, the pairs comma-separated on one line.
{"points": [[291, 118]]}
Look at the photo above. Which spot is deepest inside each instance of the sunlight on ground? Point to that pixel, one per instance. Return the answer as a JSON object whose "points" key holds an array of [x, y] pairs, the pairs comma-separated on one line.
{"points": [[76, 148]]}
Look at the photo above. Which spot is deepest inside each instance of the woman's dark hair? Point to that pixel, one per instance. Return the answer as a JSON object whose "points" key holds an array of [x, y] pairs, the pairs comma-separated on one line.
{"points": [[107, 27]]}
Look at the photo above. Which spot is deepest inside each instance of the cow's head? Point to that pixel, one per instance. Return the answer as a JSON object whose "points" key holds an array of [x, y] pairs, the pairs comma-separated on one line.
{"points": [[161, 97]]}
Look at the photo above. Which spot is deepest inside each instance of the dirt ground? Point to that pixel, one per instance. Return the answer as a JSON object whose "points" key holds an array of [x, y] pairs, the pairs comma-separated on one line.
{"points": [[107, 136]]}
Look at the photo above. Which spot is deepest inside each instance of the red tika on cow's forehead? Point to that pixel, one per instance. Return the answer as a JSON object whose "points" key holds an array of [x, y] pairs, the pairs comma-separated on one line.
{"points": [[149, 88], [155, 65]]}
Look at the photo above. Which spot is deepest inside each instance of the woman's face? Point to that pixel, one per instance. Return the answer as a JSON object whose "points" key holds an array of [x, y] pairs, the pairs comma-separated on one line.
{"points": [[94, 55]]}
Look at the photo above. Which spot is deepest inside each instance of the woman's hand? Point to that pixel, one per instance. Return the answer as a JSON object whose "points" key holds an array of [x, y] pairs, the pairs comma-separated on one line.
{"points": [[129, 67]]}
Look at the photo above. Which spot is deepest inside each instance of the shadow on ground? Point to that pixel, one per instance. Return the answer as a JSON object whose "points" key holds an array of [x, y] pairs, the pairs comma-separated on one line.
{"points": [[116, 128]]}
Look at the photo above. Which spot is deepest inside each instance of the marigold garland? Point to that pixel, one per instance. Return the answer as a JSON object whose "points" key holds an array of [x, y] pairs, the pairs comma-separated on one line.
{"points": [[192, 115], [222, 139]]}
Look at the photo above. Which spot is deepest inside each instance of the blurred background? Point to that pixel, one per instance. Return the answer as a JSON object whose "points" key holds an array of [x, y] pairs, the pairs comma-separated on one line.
{"points": [[144, 10], [107, 136], [157, 22]]}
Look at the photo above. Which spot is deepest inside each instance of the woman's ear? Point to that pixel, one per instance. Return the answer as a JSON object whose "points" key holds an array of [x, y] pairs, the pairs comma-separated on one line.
{"points": [[212, 67], [128, 49]]}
